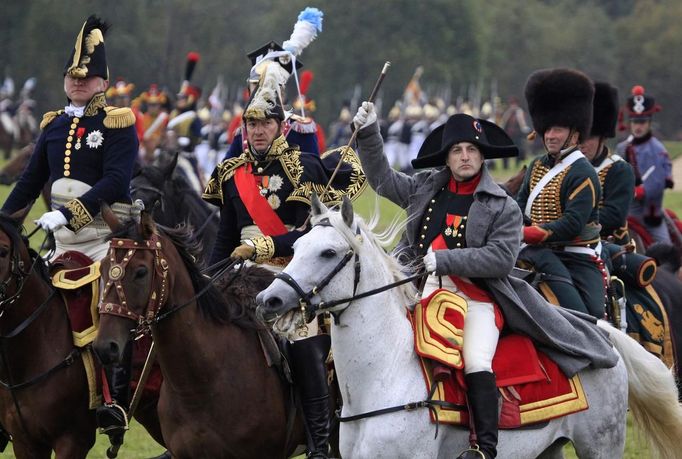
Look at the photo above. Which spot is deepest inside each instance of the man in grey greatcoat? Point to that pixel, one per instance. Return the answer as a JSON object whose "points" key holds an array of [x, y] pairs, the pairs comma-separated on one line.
{"points": [[467, 232]]}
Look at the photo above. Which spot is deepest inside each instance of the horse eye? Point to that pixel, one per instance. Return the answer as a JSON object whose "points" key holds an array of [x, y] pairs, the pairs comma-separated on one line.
{"points": [[329, 253], [4, 251], [141, 272]]}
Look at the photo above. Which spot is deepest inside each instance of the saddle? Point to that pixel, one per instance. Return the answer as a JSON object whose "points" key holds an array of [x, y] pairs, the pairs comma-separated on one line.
{"points": [[533, 388], [76, 277]]}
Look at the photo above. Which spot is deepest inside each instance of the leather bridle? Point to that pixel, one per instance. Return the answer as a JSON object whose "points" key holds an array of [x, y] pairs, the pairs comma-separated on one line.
{"points": [[159, 281], [305, 299]]}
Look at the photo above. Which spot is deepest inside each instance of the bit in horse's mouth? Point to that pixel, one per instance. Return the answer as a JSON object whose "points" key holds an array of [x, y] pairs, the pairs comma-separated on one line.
{"points": [[286, 323]]}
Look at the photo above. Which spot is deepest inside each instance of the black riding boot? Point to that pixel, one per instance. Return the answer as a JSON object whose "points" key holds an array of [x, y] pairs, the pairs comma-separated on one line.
{"points": [[308, 358], [112, 419], [4, 438], [483, 406]]}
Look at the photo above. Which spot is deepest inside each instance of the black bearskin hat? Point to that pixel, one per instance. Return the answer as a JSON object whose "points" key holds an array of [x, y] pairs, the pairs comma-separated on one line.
{"points": [[605, 113], [560, 97]]}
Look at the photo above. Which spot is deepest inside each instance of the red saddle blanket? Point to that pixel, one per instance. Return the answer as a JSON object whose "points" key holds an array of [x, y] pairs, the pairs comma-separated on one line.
{"points": [[533, 389], [76, 277]]}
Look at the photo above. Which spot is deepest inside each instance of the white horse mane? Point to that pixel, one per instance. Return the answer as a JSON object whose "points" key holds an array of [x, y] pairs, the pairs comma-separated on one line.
{"points": [[377, 242]]}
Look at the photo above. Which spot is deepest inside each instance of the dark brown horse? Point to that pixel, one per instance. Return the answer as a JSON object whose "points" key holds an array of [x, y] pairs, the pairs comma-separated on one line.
{"points": [[44, 401], [219, 396]]}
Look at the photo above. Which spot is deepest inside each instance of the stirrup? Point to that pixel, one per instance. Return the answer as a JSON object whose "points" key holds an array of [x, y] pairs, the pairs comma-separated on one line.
{"points": [[112, 419], [472, 453]]}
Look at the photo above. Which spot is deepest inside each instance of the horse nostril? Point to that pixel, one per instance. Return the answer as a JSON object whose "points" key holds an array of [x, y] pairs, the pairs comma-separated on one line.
{"points": [[273, 303]]}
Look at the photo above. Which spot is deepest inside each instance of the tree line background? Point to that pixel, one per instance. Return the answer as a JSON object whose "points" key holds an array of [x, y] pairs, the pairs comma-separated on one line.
{"points": [[462, 44]]}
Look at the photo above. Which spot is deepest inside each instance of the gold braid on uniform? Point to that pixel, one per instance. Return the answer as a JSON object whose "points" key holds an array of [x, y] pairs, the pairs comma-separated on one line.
{"points": [[224, 171], [547, 205], [265, 248], [49, 117], [97, 103], [334, 196], [602, 181], [118, 118], [80, 215]]}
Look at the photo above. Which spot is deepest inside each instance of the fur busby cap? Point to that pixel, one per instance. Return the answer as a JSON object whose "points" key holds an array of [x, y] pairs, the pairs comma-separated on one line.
{"points": [[560, 97], [605, 113], [640, 105], [88, 57], [489, 137]]}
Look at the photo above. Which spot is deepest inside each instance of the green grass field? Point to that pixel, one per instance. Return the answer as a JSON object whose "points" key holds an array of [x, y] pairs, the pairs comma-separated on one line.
{"points": [[139, 445]]}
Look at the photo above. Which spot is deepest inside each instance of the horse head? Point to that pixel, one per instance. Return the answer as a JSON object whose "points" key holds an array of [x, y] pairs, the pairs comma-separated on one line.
{"points": [[135, 283], [14, 255], [329, 264], [150, 183]]}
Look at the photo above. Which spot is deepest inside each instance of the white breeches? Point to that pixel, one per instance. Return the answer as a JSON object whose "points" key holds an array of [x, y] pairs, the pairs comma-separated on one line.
{"points": [[480, 332]]}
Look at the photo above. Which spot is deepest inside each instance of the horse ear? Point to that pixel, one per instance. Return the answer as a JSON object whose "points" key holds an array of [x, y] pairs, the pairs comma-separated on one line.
{"points": [[109, 217], [147, 225], [316, 205], [20, 215], [347, 211], [170, 167]]}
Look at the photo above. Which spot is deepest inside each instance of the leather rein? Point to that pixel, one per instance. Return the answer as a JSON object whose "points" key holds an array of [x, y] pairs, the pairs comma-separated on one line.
{"points": [[310, 308]]}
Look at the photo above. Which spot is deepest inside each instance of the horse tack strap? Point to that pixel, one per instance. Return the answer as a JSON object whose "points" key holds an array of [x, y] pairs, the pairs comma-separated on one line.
{"points": [[117, 272]]}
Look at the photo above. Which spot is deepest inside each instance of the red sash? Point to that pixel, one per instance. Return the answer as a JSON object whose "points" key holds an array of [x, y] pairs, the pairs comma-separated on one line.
{"points": [[260, 211]]}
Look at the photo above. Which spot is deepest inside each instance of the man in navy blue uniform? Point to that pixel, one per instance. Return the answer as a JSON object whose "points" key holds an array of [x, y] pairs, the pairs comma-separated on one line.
{"points": [[86, 151]]}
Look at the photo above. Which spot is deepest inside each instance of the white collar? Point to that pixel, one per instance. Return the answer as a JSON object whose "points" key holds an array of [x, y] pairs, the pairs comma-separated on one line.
{"points": [[72, 110]]}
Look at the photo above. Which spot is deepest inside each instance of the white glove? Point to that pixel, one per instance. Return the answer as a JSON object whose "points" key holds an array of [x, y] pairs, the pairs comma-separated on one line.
{"points": [[366, 116], [51, 221], [430, 262]]}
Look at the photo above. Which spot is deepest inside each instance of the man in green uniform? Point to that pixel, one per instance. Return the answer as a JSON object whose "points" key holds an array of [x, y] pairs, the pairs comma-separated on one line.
{"points": [[560, 193], [615, 175]]}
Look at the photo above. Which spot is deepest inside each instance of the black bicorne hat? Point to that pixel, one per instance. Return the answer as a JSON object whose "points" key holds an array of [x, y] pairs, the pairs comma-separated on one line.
{"points": [[258, 54], [88, 57], [605, 110], [640, 105], [560, 97], [489, 137]]}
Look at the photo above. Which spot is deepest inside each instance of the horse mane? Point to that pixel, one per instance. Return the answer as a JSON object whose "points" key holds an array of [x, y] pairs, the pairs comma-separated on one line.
{"points": [[376, 242], [15, 231], [230, 299]]}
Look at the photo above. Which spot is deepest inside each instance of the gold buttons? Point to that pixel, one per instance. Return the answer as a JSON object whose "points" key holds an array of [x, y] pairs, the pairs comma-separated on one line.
{"points": [[69, 138], [423, 236], [71, 132], [421, 246], [67, 167], [67, 153], [433, 200], [428, 218], [430, 209], [73, 126], [459, 245], [67, 160], [76, 119], [67, 173], [425, 227], [68, 145]]}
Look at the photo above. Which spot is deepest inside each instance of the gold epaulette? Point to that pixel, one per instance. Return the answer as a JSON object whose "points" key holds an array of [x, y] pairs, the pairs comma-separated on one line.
{"points": [[48, 117], [118, 118]]}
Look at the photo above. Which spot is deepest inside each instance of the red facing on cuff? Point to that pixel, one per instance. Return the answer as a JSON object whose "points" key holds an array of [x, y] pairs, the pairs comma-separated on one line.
{"points": [[534, 234], [639, 192]]}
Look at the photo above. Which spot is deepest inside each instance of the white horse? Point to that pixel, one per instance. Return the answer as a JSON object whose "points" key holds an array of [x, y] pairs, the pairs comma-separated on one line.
{"points": [[377, 367]]}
